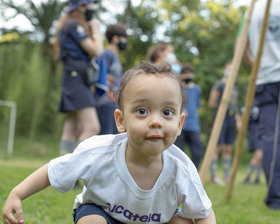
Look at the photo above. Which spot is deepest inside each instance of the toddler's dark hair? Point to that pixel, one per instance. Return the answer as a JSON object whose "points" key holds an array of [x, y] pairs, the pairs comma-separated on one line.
{"points": [[149, 68]]}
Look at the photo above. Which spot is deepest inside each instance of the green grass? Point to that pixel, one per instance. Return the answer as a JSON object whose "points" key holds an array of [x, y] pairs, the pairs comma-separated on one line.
{"points": [[50, 206], [245, 206]]}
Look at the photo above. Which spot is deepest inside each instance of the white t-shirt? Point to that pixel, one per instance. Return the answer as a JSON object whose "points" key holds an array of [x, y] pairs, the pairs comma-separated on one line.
{"points": [[100, 162], [269, 70]]}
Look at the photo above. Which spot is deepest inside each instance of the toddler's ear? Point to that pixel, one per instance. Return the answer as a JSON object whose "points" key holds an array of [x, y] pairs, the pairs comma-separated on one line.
{"points": [[119, 120], [181, 123]]}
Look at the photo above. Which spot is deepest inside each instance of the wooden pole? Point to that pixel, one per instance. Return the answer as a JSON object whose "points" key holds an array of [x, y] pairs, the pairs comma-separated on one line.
{"points": [[216, 129], [248, 104]]}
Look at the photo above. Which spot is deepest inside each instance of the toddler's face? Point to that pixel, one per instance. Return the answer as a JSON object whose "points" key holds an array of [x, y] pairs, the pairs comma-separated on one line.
{"points": [[151, 113]]}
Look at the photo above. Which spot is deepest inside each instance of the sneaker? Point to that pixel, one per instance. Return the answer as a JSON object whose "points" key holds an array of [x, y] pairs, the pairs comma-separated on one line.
{"points": [[273, 206], [257, 181], [218, 181], [247, 180]]}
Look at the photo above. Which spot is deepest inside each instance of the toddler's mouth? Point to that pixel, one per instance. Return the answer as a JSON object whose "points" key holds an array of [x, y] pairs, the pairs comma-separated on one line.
{"points": [[155, 136]]}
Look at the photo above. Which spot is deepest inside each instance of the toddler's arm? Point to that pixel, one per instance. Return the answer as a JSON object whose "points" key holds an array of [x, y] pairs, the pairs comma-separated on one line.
{"points": [[176, 219], [211, 219], [34, 183]]}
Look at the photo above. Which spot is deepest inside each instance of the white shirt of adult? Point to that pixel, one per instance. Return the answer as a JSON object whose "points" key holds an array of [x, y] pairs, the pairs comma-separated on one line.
{"points": [[100, 162], [269, 70]]}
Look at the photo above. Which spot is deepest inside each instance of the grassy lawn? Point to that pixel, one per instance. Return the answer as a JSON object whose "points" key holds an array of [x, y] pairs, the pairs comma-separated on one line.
{"points": [[50, 206], [246, 205]]}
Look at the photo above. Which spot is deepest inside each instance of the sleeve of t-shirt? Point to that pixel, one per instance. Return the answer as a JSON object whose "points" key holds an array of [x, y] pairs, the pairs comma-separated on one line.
{"points": [[196, 203], [76, 31], [65, 170], [109, 61]]}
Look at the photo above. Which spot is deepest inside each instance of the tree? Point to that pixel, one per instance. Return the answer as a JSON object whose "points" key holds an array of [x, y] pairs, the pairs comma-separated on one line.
{"points": [[205, 37], [201, 33], [41, 16]]}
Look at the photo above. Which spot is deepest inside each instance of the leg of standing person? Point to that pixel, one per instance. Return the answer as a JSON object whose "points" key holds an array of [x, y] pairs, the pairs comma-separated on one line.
{"points": [[106, 118], [230, 134], [251, 169], [226, 157], [253, 147], [257, 161], [196, 147], [69, 133], [255, 165], [180, 141], [213, 167], [89, 123], [267, 98], [219, 148]]}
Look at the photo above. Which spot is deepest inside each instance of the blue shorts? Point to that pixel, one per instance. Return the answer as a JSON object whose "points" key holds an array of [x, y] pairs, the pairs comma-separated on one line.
{"points": [[254, 141], [106, 118], [228, 132], [92, 209], [75, 93]]}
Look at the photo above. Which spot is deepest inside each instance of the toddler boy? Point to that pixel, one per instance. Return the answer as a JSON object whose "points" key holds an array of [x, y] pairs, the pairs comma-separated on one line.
{"points": [[138, 176]]}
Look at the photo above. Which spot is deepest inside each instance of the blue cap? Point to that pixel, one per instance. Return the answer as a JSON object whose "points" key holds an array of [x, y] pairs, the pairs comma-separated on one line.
{"points": [[74, 4]]}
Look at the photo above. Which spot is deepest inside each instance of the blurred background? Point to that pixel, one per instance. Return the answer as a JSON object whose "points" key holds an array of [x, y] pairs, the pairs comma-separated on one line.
{"points": [[202, 32]]}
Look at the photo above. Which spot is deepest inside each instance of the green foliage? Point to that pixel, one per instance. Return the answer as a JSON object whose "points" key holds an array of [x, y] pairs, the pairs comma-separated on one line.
{"points": [[202, 34], [206, 39], [141, 26], [41, 16], [25, 80]]}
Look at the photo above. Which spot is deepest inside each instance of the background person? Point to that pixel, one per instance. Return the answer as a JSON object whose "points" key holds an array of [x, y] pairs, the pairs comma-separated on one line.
{"points": [[117, 39], [191, 129], [164, 53], [267, 93], [231, 122], [254, 146], [77, 40]]}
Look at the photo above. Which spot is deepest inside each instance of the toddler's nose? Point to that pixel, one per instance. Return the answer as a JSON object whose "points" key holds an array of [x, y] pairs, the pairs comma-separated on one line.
{"points": [[155, 121]]}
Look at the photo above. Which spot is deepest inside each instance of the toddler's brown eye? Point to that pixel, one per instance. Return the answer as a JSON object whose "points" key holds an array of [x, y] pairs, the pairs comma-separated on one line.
{"points": [[167, 113], [141, 111]]}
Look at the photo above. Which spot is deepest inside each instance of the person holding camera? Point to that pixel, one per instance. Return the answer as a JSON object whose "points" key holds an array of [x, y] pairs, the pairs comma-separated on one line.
{"points": [[78, 40]]}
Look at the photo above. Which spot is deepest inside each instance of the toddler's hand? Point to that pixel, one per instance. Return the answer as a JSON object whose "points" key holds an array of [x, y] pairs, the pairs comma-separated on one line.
{"points": [[12, 206]]}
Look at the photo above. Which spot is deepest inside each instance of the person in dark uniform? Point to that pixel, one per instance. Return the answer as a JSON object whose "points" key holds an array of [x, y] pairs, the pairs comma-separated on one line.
{"points": [[78, 40], [231, 122], [267, 94], [254, 146]]}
